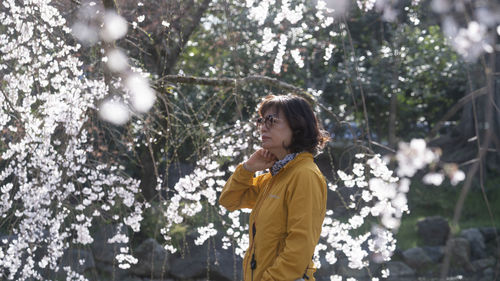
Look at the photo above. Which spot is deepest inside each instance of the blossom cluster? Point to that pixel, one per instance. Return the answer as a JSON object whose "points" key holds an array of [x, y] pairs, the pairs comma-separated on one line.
{"points": [[373, 195], [470, 39], [52, 189], [200, 189], [94, 24], [288, 16], [376, 195]]}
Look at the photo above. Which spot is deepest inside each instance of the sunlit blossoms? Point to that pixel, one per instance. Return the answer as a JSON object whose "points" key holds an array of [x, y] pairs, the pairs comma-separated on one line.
{"points": [[287, 16], [471, 39], [476, 36], [117, 60], [114, 112], [374, 194], [141, 94], [205, 233], [413, 157], [199, 190], [52, 188], [114, 27], [94, 24]]}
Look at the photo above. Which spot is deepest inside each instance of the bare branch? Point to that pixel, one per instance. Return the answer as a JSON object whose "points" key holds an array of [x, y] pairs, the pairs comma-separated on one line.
{"points": [[185, 34], [234, 82], [238, 82], [489, 90], [463, 101]]}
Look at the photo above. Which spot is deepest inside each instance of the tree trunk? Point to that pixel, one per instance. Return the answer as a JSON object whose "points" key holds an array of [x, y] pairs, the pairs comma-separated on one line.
{"points": [[172, 53], [392, 120], [493, 160], [461, 144]]}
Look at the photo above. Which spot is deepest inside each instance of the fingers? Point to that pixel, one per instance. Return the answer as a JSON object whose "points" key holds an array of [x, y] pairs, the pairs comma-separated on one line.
{"points": [[260, 160], [266, 154], [270, 156]]}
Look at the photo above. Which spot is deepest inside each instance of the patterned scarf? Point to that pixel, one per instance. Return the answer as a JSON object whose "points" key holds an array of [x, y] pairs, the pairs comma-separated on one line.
{"points": [[281, 163]]}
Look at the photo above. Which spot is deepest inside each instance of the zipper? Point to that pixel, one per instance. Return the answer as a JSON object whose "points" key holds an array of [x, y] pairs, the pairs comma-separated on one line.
{"points": [[258, 204], [253, 261]]}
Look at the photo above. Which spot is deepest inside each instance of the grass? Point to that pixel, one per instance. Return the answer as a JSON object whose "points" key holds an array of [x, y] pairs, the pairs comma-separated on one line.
{"points": [[424, 201]]}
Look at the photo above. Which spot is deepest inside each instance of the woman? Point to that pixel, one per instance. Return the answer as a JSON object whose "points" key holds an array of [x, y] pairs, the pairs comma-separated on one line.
{"points": [[288, 203]]}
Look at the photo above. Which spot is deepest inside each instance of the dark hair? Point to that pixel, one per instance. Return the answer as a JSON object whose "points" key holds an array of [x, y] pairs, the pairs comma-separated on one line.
{"points": [[307, 134]]}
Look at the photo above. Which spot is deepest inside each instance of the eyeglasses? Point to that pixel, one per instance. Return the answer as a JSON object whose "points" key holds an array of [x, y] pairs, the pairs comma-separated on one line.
{"points": [[269, 121]]}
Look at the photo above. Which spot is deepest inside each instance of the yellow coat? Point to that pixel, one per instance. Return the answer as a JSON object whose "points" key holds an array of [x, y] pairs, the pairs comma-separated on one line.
{"points": [[287, 214]]}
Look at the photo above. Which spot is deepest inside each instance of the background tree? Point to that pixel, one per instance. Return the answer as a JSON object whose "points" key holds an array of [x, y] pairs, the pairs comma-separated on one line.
{"points": [[377, 73]]}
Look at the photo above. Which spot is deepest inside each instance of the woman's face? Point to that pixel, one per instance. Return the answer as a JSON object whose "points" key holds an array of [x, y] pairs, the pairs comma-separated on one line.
{"points": [[275, 132]]}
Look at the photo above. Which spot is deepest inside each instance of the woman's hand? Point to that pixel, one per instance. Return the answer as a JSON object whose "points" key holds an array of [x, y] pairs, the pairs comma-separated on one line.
{"points": [[260, 160]]}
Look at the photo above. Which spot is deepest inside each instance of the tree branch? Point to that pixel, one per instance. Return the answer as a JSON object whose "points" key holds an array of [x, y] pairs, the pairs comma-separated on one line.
{"points": [[463, 101], [234, 82], [489, 90], [175, 51], [238, 82]]}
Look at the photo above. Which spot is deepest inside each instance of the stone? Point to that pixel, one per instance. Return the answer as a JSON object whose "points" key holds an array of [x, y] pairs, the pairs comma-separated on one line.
{"points": [[131, 278], [460, 253], [177, 171], [488, 275], [397, 255], [435, 253], [325, 271], [112, 270], [135, 278], [221, 264], [6, 239], [489, 272], [78, 260], [398, 269], [489, 233], [416, 258], [344, 270], [433, 231], [482, 264], [101, 249], [153, 260], [476, 240]]}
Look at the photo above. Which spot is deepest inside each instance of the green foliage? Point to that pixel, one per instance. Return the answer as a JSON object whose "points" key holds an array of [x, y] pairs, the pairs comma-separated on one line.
{"points": [[424, 201]]}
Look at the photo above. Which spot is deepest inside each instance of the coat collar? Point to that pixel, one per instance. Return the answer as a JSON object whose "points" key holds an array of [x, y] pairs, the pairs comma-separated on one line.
{"points": [[298, 157]]}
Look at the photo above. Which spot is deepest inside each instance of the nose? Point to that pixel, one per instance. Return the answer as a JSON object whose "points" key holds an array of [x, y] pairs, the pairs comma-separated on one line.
{"points": [[263, 128]]}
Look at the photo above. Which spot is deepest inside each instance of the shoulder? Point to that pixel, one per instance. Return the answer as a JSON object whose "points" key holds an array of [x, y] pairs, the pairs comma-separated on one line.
{"points": [[305, 167], [306, 176]]}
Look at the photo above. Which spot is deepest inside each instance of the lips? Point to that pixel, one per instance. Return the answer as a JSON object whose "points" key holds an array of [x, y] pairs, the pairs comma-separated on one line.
{"points": [[265, 138]]}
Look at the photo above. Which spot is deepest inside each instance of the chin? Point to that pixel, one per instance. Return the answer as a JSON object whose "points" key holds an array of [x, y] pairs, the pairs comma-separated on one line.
{"points": [[267, 145]]}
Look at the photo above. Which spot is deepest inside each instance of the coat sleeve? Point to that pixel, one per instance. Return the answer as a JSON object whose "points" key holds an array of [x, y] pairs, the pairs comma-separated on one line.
{"points": [[241, 190], [306, 204]]}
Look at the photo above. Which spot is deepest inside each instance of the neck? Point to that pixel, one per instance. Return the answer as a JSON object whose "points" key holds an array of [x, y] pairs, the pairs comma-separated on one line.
{"points": [[281, 154]]}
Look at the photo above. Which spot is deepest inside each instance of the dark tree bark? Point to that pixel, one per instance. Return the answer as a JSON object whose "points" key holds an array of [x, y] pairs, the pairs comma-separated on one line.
{"points": [[461, 144], [392, 120], [165, 55]]}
